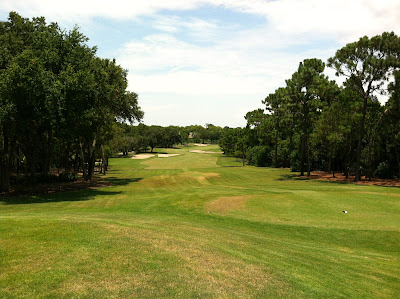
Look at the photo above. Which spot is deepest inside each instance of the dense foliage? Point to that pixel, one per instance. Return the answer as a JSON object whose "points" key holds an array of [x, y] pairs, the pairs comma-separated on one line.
{"points": [[314, 124], [141, 138], [58, 100], [63, 107]]}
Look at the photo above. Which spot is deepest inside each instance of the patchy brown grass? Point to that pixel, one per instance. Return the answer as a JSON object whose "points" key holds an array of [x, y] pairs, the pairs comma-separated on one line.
{"points": [[171, 180], [201, 177], [228, 203], [199, 264]]}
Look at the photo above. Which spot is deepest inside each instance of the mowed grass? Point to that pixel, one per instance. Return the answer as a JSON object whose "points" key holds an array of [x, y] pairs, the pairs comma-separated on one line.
{"points": [[200, 226]]}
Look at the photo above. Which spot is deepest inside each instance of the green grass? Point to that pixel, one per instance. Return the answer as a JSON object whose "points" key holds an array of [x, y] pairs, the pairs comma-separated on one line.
{"points": [[200, 226]]}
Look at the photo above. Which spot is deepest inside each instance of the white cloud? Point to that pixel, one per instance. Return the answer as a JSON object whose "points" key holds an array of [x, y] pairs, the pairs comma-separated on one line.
{"points": [[195, 26], [189, 58], [250, 62], [344, 19], [118, 9]]}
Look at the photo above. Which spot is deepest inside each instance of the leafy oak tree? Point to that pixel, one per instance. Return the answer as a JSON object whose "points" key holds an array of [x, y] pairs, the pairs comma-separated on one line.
{"points": [[58, 101]]}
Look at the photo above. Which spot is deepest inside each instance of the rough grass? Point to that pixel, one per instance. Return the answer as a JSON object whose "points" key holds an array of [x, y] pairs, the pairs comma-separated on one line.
{"points": [[200, 225]]}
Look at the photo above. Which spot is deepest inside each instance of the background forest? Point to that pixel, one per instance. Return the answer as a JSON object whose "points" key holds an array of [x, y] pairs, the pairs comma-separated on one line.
{"points": [[312, 123], [64, 108]]}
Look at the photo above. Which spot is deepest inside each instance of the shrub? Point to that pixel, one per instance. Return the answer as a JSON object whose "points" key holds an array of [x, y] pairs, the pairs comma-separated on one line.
{"points": [[383, 171], [259, 156], [68, 177]]}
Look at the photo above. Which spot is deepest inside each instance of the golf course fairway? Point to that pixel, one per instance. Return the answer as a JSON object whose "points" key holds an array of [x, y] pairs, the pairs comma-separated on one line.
{"points": [[199, 225]]}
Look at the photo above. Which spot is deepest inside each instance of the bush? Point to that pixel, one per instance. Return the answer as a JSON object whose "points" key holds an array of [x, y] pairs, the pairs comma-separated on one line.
{"points": [[68, 177], [259, 156], [383, 171], [17, 179]]}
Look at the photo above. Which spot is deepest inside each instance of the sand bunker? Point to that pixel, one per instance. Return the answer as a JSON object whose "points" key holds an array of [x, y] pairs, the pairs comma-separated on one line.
{"points": [[200, 144], [167, 155], [142, 156], [204, 152]]}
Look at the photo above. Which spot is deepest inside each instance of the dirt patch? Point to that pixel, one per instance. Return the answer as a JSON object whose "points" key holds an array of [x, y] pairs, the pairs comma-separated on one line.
{"points": [[142, 156], [203, 152], [229, 203], [167, 155], [341, 178]]}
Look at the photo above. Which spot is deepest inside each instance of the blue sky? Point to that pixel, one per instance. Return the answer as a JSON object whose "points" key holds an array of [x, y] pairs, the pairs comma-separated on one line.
{"points": [[212, 61]]}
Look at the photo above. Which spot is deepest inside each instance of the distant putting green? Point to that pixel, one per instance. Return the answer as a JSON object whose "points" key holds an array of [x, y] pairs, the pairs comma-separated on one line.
{"points": [[199, 225]]}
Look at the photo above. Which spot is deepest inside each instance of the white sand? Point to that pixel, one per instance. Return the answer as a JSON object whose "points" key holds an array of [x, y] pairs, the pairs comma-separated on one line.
{"points": [[200, 144], [203, 152], [142, 156], [167, 155]]}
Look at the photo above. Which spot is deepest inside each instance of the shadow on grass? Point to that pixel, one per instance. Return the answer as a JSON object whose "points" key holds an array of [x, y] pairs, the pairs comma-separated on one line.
{"points": [[122, 181], [227, 161], [332, 180], [287, 177], [71, 192], [82, 195]]}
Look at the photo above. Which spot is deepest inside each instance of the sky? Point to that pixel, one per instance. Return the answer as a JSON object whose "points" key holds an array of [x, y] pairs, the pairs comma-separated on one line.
{"points": [[211, 61]]}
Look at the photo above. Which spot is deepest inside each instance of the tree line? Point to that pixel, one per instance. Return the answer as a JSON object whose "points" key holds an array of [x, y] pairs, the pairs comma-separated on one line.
{"points": [[312, 123], [141, 138], [58, 100], [62, 107]]}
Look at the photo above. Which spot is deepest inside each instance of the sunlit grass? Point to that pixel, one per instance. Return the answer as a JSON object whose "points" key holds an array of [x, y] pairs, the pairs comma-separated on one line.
{"points": [[200, 225]]}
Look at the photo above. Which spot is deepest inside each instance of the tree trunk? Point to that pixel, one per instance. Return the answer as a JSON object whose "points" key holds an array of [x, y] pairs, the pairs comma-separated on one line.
{"points": [[103, 160], [359, 144], [32, 165], [308, 157], [4, 164], [396, 148], [76, 163], [91, 165], [302, 155], [329, 163], [4, 174], [91, 160], [347, 161], [47, 159], [83, 164], [276, 142]]}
